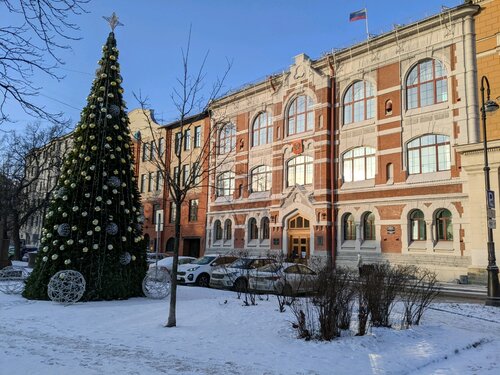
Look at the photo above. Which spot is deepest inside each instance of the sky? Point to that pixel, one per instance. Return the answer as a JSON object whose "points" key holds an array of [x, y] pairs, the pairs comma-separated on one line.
{"points": [[258, 37]]}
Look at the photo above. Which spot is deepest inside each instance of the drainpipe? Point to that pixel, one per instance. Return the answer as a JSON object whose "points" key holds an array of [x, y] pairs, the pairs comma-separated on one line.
{"points": [[333, 174]]}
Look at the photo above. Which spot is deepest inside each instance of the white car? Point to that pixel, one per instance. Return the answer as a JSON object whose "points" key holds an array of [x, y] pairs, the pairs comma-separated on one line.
{"points": [[235, 275], [199, 271], [166, 263], [283, 278]]}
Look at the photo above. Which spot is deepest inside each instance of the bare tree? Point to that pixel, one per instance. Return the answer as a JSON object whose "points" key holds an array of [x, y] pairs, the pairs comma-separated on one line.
{"points": [[30, 46], [29, 166], [189, 101]]}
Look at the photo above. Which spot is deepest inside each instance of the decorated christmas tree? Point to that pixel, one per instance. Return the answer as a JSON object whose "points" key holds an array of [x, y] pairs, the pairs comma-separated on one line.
{"points": [[93, 223]]}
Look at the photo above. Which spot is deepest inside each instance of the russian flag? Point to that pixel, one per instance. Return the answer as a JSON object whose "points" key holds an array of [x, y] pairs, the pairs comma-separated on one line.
{"points": [[358, 15]]}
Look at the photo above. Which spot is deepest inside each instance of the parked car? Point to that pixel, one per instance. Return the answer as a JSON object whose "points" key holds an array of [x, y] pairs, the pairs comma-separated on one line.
{"points": [[166, 263], [235, 275], [199, 271], [25, 252], [151, 257], [283, 278]]}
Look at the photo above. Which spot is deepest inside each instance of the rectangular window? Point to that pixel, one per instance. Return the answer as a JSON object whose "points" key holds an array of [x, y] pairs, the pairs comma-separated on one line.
{"points": [[152, 150], [413, 161], [159, 180], [143, 182], [187, 140], [197, 136], [178, 141], [172, 212], [176, 174], [185, 174], [161, 146], [196, 173], [144, 151], [193, 210], [150, 181]]}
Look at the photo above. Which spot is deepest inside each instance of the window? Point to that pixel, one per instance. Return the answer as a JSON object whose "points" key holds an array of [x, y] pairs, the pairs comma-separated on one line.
{"points": [[187, 140], [176, 175], [265, 228], [178, 141], [143, 182], [197, 136], [193, 210], [359, 102], [156, 207], [359, 164], [185, 174], [444, 226], [426, 84], [300, 115], [228, 230], [262, 130], [173, 212], [429, 153], [196, 173], [417, 226], [298, 223], [161, 146], [159, 180], [369, 226], [225, 184], [144, 152], [349, 227], [152, 150], [300, 171], [227, 139], [261, 178], [217, 230], [253, 231], [150, 181]]}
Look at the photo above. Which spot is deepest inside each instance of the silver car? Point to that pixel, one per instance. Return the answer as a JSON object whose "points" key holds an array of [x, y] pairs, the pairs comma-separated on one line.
{"points": [[284, 278]]}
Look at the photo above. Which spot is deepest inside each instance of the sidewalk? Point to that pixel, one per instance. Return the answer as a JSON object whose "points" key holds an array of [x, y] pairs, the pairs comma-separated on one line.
{"points": [[473, 291]]}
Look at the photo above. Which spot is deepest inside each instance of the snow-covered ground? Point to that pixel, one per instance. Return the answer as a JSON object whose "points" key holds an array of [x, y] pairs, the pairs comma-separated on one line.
{"points": [[217, 335]]}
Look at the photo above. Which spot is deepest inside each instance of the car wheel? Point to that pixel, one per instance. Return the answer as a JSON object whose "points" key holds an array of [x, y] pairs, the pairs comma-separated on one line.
{"points": [[241, 285], [203, 280], [287, 290]]}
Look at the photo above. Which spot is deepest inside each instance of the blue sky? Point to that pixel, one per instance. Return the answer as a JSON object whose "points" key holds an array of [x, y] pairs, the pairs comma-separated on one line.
{"points": [[260, 37]]}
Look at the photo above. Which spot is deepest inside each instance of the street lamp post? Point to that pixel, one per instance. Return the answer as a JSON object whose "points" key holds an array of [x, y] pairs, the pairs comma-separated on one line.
{"points": [[493, 298]]}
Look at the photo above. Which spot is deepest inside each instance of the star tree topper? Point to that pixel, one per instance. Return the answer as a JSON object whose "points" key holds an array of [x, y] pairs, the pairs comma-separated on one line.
{"points": [[113, 21]]}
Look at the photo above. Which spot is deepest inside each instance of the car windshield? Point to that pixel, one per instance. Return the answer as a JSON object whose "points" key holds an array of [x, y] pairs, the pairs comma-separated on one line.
{"points": [[272, 267], [243, 263], [203, 260]]}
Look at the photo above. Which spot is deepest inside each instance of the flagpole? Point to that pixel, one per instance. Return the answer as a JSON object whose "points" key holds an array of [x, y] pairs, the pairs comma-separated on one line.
{"points": [[366, 24]]}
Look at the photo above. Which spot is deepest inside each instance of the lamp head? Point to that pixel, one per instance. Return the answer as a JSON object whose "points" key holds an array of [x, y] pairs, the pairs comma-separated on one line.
{"points": [[490, 106]]}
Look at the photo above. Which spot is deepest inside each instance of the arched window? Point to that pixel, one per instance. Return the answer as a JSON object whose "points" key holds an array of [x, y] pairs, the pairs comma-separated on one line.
{"points": [[253, 231], [300, 171], [300, 115], [426, 84], [261, 178], [264, 225], [169, 247], [262, 130], [417, 226], [225, 184], [298, 222], [444, 225], [359, 102], [217, 230], [429, 153], [359, 164], [349, 227], [369, 226], [227, 139], [228, 230]]}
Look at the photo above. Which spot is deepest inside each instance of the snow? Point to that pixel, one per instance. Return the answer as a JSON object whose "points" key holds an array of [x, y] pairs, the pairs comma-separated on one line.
{"points": [[216, 334]]}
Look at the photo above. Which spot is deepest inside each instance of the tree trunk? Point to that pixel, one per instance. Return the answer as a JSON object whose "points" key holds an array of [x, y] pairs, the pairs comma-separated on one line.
{"points": [[172, 322], [16, 238]]}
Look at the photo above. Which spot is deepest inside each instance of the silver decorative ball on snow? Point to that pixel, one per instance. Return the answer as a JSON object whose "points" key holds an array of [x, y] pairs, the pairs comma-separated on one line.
{"points": [[114, 110], [125, 258], [112, 229], [113, 181], [12, 280], [66, 287], [63, 230], [156, 284]]}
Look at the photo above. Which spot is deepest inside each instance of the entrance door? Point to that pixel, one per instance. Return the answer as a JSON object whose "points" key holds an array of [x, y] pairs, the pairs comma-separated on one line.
{"points": [[299, 236], [191, 247]]}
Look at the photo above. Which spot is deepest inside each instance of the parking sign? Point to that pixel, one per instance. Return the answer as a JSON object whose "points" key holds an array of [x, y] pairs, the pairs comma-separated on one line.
{"points": [[491, 198]]}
